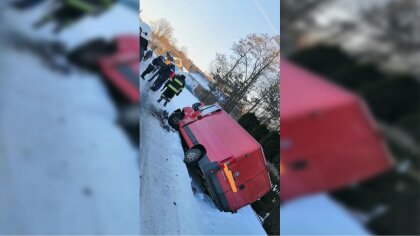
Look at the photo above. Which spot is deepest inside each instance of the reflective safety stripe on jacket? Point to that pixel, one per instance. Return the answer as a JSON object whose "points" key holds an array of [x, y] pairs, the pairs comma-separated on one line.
{"points": [[179, 82], [173, 88], [86, 6], [81, 5], [175, 84]]}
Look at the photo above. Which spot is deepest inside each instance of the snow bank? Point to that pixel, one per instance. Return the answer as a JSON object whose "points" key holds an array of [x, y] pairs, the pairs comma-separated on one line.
{"points": [[317, 215], [66, 165], [106, 25]]}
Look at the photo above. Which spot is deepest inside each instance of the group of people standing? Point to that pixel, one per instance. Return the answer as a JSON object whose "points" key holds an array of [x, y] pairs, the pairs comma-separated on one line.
{"points": [[165, 72]]}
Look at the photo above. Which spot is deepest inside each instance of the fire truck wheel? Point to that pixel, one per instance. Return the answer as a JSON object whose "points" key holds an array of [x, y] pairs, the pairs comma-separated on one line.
{"points": [[192, 156], [174, 118]]}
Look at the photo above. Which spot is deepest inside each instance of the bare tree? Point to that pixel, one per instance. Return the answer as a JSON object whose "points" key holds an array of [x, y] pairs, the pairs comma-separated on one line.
{"points": [[162, 28], [258, 101], [242, 78], [396, 22], [296, 18], [260, 56], [219, 67], [271, 104]]}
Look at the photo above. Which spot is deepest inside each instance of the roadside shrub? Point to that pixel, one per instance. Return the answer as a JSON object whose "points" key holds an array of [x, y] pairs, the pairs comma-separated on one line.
{"points": [[271, 145], [248, 121]]}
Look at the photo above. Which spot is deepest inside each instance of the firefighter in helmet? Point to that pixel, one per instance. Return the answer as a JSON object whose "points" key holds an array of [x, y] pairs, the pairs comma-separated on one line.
{"points": [[172, 87]]}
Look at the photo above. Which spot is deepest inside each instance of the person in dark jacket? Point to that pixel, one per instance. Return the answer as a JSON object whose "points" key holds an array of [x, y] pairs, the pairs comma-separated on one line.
{"points": [[169, 56], [157, 62], [66, 12], [148, 55], [173, 87], [166, 72]]}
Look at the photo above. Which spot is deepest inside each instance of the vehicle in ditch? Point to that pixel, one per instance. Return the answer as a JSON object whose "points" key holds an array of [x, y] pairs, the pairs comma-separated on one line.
{"points": [[329, 139], [230, 162]]}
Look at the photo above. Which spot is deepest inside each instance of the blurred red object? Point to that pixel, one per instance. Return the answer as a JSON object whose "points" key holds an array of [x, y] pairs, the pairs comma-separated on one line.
{"points": [[122, 67], [328, 137]]}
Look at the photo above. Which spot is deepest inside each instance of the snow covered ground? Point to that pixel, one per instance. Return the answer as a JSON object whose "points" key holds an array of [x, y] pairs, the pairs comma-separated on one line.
{"points": [[65, 165], [318, 215], [90, 27], [201, 80], [167, 203], [190, 83]]}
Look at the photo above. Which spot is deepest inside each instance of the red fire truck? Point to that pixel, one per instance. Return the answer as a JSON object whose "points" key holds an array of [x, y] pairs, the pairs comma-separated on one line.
{"points": [[328, 137]]}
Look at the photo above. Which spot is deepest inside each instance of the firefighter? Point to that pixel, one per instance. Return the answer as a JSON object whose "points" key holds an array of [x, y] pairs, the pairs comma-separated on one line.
{"points": [[157, 62], [173, 87], [66, 12], [164, 73]]}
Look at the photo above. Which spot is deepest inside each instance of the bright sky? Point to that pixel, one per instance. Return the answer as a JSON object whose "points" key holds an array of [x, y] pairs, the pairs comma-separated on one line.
{"points": [[209, 26]]}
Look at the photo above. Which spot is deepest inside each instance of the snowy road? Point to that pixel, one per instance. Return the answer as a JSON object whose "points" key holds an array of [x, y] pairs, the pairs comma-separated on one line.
{"points": [[168, 205]]}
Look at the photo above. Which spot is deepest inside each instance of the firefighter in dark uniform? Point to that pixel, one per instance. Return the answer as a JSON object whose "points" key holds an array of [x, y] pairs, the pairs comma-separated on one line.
{"points": [[166, 71], [66, 12], [157, 62], [173, 87]]}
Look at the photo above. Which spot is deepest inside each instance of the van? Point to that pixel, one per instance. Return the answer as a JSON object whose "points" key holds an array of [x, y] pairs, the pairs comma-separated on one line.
{"points": [[230, 162], [329, 139]]}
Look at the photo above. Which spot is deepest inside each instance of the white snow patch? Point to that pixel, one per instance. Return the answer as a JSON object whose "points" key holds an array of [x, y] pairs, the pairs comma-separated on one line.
{"points": [[201, 80], [106, 25], [318, 215], [103, 26], [67, 167]]}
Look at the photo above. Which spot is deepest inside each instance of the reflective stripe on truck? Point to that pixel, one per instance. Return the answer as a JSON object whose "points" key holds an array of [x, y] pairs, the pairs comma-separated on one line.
{"points": [[229, 176]]}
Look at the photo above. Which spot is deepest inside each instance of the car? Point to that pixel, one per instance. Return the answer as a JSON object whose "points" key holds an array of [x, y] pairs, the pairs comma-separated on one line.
{"points": [[229, 161]]}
